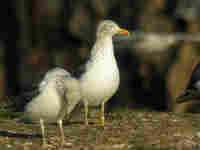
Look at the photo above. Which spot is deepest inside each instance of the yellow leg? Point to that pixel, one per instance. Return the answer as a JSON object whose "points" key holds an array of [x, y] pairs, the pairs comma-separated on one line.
{"points": [[61, 131], [43, 132], [86, 113], [102, 114], [68, 117]]}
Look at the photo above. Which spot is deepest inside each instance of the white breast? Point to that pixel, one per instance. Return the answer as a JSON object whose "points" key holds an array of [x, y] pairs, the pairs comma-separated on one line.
{"points": [[46, 106], [101, 80]]}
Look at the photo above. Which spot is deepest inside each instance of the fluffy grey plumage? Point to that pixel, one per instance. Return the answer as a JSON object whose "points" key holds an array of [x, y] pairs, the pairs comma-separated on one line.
{"points": [[57, 91]]}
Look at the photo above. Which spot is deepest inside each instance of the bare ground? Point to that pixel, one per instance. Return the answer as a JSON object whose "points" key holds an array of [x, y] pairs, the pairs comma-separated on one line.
{"points": [[127, 129]]}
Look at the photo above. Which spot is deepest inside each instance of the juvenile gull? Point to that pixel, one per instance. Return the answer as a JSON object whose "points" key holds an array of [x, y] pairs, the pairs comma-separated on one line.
{"points": [[100, 80], [55, 97]]}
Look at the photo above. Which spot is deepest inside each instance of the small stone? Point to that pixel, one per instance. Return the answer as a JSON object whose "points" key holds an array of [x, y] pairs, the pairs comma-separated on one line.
{"points": [[68, 144], [119, 146], [198, 134], [9, 146]]}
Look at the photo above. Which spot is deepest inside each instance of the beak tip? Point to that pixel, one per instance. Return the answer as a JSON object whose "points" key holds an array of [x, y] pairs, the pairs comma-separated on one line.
{"points": [[127, 33], [124, 32]]}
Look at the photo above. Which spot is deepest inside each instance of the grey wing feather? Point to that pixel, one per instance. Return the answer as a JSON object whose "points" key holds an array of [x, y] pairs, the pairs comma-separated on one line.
{"points": [[72, 94], [36, 89], [71, 85]]}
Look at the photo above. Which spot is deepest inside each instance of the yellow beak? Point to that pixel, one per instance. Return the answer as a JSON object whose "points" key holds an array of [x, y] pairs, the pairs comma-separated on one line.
{"points": [[123, 31]]}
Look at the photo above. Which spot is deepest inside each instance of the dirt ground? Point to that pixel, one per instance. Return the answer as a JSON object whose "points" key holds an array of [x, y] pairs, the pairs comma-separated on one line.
{"points": [[128, 129]]}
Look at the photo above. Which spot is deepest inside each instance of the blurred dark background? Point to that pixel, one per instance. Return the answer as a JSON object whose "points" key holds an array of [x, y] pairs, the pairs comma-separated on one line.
{"points": [[37, 35]]}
